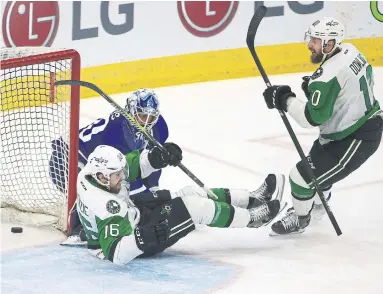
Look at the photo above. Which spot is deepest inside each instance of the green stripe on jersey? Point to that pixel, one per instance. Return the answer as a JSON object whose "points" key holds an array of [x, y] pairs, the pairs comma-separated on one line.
{"points": [[343, 134]]}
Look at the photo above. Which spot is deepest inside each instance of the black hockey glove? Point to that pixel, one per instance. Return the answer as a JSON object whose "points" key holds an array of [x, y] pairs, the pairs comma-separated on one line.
{"points": [[276, 97], [175, 153], [150, 236], [160, 159], [305, 86]]}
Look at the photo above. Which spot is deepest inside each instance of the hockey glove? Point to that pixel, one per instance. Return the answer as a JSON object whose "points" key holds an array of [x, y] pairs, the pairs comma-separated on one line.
{"points": [[305, 86], [151, 236], [276, 97], [157, 158], [160, 159], [175, 153]]}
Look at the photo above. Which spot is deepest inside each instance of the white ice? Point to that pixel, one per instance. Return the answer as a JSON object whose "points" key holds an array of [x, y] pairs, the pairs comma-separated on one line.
{"points": [[231, 139]]}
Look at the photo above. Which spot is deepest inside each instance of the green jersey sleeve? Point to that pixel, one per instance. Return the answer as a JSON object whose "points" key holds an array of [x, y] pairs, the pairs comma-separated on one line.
{"points": [[139, 165], [322, 99], [133, 160], [111, 231]]}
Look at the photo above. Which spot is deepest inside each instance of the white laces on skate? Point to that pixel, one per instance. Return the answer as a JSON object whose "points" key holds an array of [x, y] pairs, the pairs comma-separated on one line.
{"points": [[290, 220], [260, 192], [259, 212]]}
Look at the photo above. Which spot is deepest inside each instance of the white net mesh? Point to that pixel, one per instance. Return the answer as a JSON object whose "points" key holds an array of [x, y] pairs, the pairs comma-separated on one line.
{"points": [[34, 138], [20, 52]]}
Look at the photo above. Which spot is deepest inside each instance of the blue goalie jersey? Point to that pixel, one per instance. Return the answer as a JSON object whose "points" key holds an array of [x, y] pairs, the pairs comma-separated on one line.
{"points": [[115, 131]]}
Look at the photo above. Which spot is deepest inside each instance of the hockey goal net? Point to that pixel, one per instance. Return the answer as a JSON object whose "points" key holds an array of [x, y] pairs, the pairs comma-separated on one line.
{"points": [[38, 135]]}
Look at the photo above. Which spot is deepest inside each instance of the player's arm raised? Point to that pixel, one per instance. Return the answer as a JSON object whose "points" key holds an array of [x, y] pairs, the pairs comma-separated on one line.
{"points": [[141, 165], [312, 113]]}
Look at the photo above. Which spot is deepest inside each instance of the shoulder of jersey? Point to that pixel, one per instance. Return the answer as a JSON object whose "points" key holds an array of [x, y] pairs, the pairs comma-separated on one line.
{"points": [[102, 203], [332, 67]]}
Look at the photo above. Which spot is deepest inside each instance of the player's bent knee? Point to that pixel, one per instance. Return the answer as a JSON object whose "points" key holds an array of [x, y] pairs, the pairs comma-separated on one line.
{"points": [[191, 191], [299, 187], [200, 209]]}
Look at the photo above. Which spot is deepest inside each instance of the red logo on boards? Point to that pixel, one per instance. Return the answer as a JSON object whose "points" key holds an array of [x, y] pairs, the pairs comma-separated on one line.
{"points": [[30, 23], [206, 18]]}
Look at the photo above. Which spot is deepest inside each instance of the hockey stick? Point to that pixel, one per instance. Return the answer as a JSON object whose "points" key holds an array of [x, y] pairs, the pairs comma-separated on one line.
{"points": [[254, 23], [131, 119]]}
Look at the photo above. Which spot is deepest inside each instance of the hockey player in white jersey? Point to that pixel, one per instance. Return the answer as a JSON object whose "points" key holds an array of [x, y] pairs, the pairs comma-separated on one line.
{"points": [[340, 101], [119, 229]]}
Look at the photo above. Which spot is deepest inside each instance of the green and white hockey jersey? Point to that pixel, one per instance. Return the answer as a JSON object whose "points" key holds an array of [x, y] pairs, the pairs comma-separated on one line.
{"points": [[341, 94], [108, 219]]}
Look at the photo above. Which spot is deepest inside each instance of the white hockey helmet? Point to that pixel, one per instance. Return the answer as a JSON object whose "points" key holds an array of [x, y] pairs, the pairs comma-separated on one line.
{"points": [[105, 160], [326, 29]]}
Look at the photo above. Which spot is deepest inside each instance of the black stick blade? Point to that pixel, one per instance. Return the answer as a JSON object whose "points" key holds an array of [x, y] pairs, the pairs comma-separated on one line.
{"points": [[254, 23], [83, 84], [67, 82]]}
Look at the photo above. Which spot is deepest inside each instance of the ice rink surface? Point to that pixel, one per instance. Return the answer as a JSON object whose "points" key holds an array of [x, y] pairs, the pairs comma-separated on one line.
{"points": [[230, 139]]}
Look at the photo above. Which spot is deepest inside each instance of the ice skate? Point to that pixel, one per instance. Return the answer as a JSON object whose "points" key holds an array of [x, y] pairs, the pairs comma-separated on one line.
{"points": [[264, 214], [290, 224], [271, 188], [77, 237]]}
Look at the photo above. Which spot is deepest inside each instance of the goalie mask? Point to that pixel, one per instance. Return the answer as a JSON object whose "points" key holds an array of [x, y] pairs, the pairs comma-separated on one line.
{"points": [[106, 160], [326, 29], [143, 105]]}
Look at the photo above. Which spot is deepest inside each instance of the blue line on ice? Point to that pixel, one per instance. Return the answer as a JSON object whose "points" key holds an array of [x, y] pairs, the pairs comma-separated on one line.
{"points": [[57, 269]]}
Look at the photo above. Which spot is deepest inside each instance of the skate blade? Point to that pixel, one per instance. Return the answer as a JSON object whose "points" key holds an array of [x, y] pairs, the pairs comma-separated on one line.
{"points": [[74, 241], [273, 234]]}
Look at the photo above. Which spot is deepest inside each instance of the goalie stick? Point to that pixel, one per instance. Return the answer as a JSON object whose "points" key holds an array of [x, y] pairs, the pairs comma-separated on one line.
{"points": [[253, 27], [131, 119]]}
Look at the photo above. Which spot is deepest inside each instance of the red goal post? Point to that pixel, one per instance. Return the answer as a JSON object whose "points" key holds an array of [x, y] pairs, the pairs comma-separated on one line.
{"points": [[39, 126]]}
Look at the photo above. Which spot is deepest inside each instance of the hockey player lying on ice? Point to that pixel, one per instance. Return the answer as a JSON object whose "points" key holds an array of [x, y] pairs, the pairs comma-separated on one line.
{"points": [[120, 229]]}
